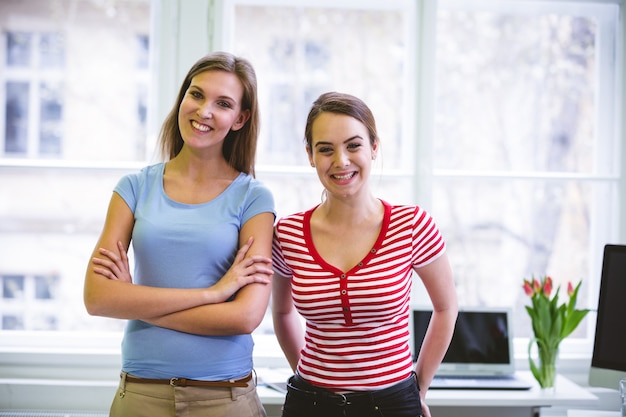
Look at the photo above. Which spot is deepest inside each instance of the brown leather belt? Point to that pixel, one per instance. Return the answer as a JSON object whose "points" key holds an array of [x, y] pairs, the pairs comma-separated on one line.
{"points": [[184, 382]]}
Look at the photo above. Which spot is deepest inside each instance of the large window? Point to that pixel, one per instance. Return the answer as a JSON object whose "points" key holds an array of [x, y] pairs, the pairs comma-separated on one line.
{"points": [[500, 118]]}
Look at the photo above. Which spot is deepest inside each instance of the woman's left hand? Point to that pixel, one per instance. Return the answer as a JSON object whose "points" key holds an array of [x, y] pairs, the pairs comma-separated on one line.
{"points": [[113, 265]]}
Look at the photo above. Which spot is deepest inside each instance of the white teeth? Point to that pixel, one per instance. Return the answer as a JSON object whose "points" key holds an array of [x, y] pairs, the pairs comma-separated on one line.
{"points": [[198, 126], [344, 177]]}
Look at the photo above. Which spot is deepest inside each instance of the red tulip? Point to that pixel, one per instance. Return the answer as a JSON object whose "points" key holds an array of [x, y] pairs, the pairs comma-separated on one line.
{"points": [[570, 289], [537, 285], [547, 286], [528, 289]]}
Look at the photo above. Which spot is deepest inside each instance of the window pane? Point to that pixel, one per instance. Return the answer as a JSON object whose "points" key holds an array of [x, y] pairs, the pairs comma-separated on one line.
{"points": [[12, 287], [51, 118], [46, 287], [52, 50], [16, 130], [143, 46], [501, 231], [520, 88], [12, 322], [18, 49]]}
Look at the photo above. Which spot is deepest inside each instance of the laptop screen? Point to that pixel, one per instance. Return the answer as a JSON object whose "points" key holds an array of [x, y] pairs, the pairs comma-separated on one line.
{"points": [[481, 343]]}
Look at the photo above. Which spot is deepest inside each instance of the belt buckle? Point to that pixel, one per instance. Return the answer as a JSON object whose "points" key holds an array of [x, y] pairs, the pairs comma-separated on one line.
{"points": [[173, 382], [343, 400]]}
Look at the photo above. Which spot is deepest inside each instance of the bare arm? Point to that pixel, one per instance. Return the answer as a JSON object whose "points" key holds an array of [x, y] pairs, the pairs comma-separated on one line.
{"points": [[439, 283], [287, 325], [110, 295], [246, 311]]}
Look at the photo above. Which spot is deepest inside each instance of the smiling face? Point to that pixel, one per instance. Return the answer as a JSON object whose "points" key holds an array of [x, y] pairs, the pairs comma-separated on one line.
{"points": [[341, 153], [211, 108]]}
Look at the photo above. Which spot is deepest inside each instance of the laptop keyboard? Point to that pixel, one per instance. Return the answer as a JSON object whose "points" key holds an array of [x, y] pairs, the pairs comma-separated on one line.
{"points": [[478, 382]]}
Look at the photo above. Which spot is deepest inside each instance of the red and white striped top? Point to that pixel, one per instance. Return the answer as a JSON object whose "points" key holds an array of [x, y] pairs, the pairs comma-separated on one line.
{"points": [[357, 321]]}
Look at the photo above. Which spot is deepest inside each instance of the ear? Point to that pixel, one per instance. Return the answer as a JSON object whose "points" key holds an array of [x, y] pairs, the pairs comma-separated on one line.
{"points": [[308, 152], [244, 116], [374, 149]]}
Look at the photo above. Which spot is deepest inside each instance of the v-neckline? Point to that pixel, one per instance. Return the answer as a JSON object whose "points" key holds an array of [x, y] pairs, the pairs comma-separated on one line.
{"points": [[308, 238]]}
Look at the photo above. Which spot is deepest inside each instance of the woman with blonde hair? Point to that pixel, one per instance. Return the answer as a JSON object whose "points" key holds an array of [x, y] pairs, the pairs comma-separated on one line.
{"points": [[201, 229]]}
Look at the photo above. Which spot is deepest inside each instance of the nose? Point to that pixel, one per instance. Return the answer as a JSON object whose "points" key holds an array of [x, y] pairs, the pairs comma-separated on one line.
{"points": [[341, 158], [205, 111]]}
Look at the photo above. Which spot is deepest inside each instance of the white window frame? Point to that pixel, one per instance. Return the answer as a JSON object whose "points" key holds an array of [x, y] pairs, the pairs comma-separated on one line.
{"points": [[183, 34]]}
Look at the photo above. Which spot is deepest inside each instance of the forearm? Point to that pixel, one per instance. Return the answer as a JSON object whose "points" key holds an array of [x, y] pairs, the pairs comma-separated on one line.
{"points": [[288, 330], [242, 315], [434, 347], [116, 299]]}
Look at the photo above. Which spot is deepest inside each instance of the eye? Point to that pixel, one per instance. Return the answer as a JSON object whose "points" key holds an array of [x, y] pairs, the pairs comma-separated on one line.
{"points": [[354, 145], [324, 149], [195, 94], [225, 104]]}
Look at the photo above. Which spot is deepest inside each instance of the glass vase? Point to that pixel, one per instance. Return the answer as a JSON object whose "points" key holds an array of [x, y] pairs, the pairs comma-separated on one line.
{"points": [[544, 370]]}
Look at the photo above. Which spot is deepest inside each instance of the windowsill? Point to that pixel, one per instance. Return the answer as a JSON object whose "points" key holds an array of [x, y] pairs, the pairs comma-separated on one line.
{"points": [[84, 368], [97, 355]]}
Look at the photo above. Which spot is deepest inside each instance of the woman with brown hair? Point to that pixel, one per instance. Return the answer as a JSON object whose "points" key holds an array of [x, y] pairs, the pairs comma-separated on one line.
{"points": [[346, 266]]}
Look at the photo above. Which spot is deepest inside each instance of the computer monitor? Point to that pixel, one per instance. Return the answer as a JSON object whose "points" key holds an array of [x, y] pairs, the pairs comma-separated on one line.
{"points": [[608, 361]]}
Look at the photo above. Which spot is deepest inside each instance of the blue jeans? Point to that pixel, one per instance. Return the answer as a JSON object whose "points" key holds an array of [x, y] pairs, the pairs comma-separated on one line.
{"points": [[307, 400]]}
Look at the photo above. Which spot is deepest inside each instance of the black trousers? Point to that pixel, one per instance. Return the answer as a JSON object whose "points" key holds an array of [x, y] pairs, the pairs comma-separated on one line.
{"points": [[307, 400]]}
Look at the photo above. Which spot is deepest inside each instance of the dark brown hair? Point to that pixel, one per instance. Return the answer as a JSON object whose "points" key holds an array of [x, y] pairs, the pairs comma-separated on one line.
{"points": [[340, 103], [239, 147]]}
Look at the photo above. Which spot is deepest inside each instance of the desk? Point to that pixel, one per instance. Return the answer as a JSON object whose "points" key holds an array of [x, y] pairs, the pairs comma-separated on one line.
{"points": [[593, 413], [468, 403]]}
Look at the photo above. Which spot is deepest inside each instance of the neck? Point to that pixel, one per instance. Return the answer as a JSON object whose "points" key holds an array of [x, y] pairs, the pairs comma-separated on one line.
{"points": [[350, 211], [201, 167]]}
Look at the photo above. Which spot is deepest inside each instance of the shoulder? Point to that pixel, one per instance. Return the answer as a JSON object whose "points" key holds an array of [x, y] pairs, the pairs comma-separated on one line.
{"points": [[248, 185], [295, 219], [148, 172], [405, 209], [254, 185], [251, 196], [404, 217], [403, 212], [143, 176]]}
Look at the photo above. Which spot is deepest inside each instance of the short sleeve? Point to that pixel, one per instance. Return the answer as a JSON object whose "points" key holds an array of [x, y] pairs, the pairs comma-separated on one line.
{"points": [[259, 200], [428, 243], [127, 189], [278, 259]]}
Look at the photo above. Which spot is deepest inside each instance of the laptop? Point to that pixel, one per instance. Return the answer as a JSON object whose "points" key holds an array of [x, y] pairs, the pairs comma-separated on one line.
{"points": [[480, 355]]}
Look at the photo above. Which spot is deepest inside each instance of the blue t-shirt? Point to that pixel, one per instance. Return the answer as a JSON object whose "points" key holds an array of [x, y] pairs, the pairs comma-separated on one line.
{"points": [[180, 245]]}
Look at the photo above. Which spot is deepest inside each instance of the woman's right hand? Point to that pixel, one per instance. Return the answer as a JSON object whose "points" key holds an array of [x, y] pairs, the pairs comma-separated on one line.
{"points": [[113, 265], [245, 270]]}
